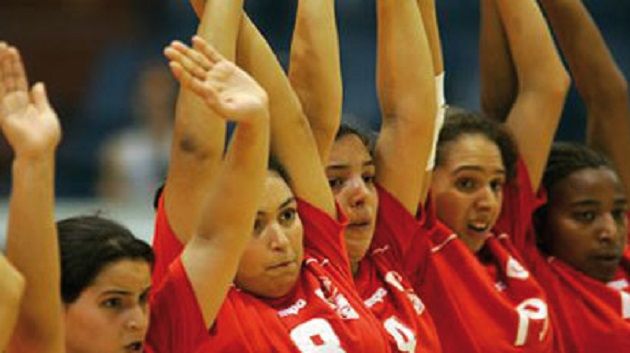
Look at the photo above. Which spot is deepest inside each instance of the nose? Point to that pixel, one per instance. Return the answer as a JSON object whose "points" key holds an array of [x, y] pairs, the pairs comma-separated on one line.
{"points": [[138, 319], [278, 240], [358, 191], [608, 228], [486, 199]]}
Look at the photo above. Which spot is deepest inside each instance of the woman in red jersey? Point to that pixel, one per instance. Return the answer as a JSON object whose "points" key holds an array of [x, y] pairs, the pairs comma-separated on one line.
{"points": [[473, 280], [91, 275], [292, 287], [582, 227], [380, 217]]}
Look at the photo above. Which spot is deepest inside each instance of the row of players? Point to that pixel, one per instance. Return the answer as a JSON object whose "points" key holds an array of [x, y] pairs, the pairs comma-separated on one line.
{"points": [[505, 244]]}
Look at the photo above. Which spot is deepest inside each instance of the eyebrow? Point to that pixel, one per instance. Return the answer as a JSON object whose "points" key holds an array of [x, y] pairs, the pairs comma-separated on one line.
{"points": [[287, 202], [368, 163], [122, 292], [476, 168]]}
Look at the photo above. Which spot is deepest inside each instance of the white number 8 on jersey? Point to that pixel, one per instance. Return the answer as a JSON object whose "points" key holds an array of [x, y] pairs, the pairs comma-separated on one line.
{"points": [[316, 336]]}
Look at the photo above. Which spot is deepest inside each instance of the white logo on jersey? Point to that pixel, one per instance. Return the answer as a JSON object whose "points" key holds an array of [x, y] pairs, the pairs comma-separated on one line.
{"points": [[340, 304], [619, 284], [530, 309], [293, 309], [394, 279], [500, 286], [516, 270], [377, 297]]}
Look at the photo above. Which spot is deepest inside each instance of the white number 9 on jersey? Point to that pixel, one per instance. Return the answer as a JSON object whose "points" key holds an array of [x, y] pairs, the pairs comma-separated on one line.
{"points": [[316, 336]]}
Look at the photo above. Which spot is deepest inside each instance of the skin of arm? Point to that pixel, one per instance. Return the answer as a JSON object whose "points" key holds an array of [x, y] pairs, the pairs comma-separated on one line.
{"points": [[599, 81], [406, 90], [292, 141], [498, 75], [31, 127], [199, 134], [214, 251], [315, 70], [542, 83], [11, 291]]}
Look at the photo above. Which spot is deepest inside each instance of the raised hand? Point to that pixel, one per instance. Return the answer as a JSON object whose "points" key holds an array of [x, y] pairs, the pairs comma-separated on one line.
{"points": [[227, 89], [28, 122]]}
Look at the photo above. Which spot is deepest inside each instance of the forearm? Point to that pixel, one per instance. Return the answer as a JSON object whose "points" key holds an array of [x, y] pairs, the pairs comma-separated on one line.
{"points": [[292, 141], [216, 250], [498, 76], [406, 88], [597, 77], [32, 235], [537, 63], [431, 27], [315, 70], [199, 134]]}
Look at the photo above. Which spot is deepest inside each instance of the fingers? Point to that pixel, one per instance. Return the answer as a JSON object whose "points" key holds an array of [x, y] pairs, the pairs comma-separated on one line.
{"points": [[12, 73], [207, 50], [40, 97]]}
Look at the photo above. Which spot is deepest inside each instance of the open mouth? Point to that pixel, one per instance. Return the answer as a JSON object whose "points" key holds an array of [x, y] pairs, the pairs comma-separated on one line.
{"points": [[479, 227], [135, 347]]}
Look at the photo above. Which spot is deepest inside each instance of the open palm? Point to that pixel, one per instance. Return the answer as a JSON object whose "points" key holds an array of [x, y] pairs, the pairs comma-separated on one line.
{"points": [[28, 122]]}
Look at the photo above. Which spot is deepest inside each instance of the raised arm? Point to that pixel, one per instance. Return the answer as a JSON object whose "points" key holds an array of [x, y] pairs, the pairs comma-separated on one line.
{"points": [[11, 290], [230, 207], [498, 75], [315, 70], [431, 26], [406, 90], [199, 134], [542, 82], [292, 141], [31, 127], [599, 81]]}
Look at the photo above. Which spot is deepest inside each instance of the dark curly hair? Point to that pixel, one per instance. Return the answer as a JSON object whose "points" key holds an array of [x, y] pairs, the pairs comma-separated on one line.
{"points": [[459, 122]]}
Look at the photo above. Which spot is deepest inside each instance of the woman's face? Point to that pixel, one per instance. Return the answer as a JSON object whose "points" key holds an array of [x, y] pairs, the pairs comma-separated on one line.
{"points": [[272, 261], [350, 172], [467, 188], [112, 314], [586, 223]]}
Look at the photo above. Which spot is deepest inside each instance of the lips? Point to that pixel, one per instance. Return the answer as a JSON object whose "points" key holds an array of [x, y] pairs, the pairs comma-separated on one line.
{"points": [[479, 226], [134, 347], [283, 265]]}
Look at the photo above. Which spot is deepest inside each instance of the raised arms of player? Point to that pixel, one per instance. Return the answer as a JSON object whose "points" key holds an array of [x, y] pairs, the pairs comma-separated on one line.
{"points": [[406, 90], [542, 82], [230, 207], [599, 81], [292, 141], [198, 140], [30, 126], [498, 75], [11, 290], [315, 70]]}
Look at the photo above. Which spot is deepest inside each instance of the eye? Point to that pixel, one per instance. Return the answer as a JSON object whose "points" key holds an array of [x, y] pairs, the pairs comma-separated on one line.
{"points": [[465, 184], [112, 303], [497, 185], [258, 226], [368, 178], [144, 297], [620, 215], [335, 183], [585, 216], [287, 217]]}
